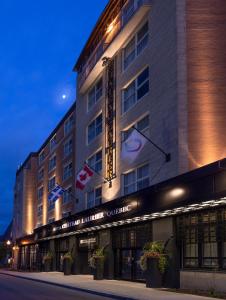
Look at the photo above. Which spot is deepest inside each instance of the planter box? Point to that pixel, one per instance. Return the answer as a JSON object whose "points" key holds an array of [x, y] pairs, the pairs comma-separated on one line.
{"points": [[99, 270], [153, 275], [67, 267], [47, 265]]}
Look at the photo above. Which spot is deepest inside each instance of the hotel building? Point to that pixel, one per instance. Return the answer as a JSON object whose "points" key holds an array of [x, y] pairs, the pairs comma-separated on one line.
{"points": [[158, 66]]}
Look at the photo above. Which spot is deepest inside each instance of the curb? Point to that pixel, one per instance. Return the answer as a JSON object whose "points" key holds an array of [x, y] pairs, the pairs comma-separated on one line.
{"points": [[102, 294]]}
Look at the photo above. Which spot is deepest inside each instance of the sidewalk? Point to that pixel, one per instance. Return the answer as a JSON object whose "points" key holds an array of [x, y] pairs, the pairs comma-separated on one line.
{"points": [[111, 288]]}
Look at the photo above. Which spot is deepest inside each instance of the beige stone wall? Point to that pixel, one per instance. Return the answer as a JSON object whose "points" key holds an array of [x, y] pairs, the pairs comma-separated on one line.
{"points": [[160, 103]]}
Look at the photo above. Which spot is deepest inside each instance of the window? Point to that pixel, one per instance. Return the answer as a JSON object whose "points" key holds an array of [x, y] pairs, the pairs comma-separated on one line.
{"points": [[40, 209], [51, 205], [66, 214], [136, 90], [135, 46], [94, 128], [67, 195], [51, 220], [41, 157], [53, 143], [95, 94], [136, 179], [68, 147], [40, 194], [52, 163], [141, 125], [67, 172], [51, 183], [68, 125], [94, 197], [40, 175], [95, 161]]}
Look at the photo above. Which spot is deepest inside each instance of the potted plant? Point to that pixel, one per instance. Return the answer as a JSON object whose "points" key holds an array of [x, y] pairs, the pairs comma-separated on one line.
{"points": [[67, 263], [97, 264], [47, 261], [154, 262]]}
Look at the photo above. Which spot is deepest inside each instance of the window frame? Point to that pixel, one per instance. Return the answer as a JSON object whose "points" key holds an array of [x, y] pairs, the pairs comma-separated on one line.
{"points": [[100, 161], [137, 87], [95, 90], [69, 172], [94, 121], [136, 180], [94, 191]]}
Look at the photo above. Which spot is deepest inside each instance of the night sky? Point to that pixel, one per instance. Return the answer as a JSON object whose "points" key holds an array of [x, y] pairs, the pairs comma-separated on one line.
{"points": [[39, 44]]}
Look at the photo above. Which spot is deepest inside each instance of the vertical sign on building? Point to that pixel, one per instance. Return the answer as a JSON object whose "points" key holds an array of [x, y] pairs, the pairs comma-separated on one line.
{"points": [[110, 120]]}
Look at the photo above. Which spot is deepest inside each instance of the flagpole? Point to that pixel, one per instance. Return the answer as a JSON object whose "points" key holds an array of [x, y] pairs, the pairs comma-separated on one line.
{"points": [[167, 155]]}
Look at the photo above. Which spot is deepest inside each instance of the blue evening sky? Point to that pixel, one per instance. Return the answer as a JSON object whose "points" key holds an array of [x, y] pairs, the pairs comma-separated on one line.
{"points": [[39, 44]]}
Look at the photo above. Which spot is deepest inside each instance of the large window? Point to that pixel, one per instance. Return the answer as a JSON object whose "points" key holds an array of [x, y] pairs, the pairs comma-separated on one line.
{"points": [[52, 163], [136, 179], [40, 175], [142, 125], [51, 183], [95, 161], [40, 209], [41, 157], [94, 197], [95, 94], [68, 125], [40, 194], [67, 195], [95, 128], [68, 147], [202, 237], [67, 171], [135, 90], [53, 143], [135, 46]]}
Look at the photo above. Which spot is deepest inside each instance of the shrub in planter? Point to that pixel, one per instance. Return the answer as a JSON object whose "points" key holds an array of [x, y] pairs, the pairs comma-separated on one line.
{"points": [[154, 262], [96, 262], [47, 261], [67, 263]]}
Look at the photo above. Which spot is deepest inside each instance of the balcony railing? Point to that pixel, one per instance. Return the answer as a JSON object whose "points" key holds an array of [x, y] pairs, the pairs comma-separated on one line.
{"points": [[128, 10]]}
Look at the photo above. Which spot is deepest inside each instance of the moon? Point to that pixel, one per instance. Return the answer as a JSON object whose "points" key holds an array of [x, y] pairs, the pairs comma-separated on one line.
{"points": [[64, 96]]}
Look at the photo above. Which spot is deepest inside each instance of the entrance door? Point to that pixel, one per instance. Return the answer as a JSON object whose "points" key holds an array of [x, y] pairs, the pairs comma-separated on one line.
{"points": [[59, 261], [128, 264]]}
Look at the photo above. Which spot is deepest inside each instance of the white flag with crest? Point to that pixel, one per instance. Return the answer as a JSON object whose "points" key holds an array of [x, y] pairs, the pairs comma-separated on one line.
{"points": [[132, 146]]}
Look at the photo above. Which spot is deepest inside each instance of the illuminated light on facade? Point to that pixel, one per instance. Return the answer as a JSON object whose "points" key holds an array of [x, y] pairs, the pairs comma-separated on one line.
{"points": [[176, 193]]}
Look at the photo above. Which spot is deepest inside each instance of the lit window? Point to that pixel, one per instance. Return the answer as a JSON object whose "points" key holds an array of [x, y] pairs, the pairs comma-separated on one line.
{"points": [[95, 161], [135, 91], [95, 94], [52, 163], [136, 180], [68, 147], [94, 197], [135, 46], [95, 128], [68, 125], [67, 172]]}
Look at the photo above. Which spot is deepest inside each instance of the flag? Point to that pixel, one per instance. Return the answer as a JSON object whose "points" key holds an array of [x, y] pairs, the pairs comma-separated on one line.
{"points": [[132, 146], [83, 177], [55, 194]]}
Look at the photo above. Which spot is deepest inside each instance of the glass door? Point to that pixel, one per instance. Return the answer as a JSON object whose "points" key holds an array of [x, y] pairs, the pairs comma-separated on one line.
{"points": [[126, 264]]}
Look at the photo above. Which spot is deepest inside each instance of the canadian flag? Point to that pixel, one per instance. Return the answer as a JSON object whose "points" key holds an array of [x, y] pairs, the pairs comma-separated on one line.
{"points": [[83, 177]]}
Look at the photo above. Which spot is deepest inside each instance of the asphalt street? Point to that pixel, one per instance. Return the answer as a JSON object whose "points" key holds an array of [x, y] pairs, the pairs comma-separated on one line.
{"points": [[12, 288]]}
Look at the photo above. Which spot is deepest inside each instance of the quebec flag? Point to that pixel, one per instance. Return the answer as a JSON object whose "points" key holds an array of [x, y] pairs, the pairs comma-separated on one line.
{"points": [[132, 146], [55, 194]]}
